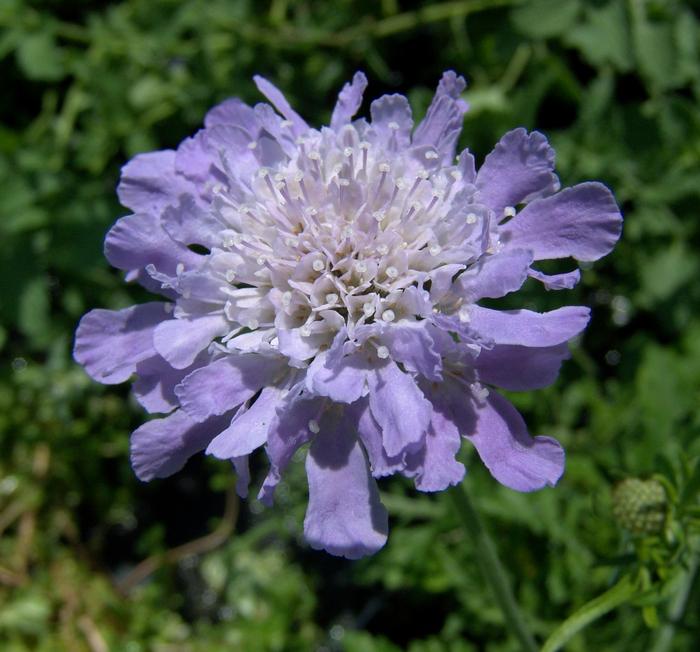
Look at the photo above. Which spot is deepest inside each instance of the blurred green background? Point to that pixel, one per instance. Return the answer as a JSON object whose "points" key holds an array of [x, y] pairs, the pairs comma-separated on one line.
{"points": [[92, 560]]}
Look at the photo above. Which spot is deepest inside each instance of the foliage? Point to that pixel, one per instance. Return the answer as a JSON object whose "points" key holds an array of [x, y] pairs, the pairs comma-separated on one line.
{"points": [[614, 83]]}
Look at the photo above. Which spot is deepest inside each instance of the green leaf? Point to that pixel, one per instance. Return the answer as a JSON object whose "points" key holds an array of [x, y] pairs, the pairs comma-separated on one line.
{"points": [[666, 272], [545, 18], [603, 38], [622, 592], [40, 58]]}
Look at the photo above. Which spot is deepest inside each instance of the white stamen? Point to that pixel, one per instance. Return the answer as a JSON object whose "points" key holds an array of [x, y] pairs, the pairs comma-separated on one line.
{"points": [[382, 352], [332, 298], [431, 155], [382, 249], [361, 266], [464, 315], [179, 268], [314, 427], [384, 167], [435, 250], [253, 324], [368, 309], [252, 144], [305, 331], [392, 272], [230, 275], [318, 265], [509, 211], [286, 298], [388, 315], [394, 126], [480, 392], [471, 218], [379, 215]]}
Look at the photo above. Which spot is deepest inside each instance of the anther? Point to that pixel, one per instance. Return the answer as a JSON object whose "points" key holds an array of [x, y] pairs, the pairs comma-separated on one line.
{"points": [[392, 272], [388, 315], [230, 275], [361, 266], [368, 309], [464, 316], [471, 218], [431, 155], [252, 144], [314, 427], [435, 250], [318, 265], [394, 126], [286, 298], [382, 352], [509, 211], [332, 298]]}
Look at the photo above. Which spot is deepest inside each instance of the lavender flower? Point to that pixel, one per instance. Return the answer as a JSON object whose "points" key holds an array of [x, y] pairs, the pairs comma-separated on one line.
{"points": [[323, 287]]}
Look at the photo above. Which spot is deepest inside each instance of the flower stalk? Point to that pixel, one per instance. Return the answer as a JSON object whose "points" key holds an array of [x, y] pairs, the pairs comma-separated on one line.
{"points": [[493, 570]]}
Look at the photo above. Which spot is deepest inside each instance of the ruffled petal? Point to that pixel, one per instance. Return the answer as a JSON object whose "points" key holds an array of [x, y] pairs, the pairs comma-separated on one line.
{"points": [[224, 384], [111, 343], [161, 447], [435, 464], [179, 341], [565, 281], [344, 516], [154, 387], [277, 99], [494, 276], [443, 120], [520, 368], [139, 240], [528, 328], [240, 464], [513, 457], [399, 408], [190, 224], [583, 222], [349, 101], [343, 380], [370, 433], [290, 429], [149, 182], [248, 430], [519, 169], [410, 343], [236, 113], [392, 120]]}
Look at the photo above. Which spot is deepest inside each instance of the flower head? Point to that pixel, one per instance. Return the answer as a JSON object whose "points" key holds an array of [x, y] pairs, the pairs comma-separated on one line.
{"points": [[323, 287]]}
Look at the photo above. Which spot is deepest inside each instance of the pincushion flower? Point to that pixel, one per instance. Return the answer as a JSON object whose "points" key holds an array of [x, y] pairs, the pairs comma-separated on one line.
{"points": [[322, 287]]}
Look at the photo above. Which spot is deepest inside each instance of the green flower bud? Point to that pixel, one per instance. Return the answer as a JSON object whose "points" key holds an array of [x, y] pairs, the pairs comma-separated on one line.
{"points": [[640, 505]]}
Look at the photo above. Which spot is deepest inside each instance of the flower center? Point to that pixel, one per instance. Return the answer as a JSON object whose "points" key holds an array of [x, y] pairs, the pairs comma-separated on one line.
{"points": [[335, 233]]}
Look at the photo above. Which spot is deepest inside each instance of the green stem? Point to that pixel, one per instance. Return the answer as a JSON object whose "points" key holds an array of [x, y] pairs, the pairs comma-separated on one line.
{"points": [[492, 569], [664, 637], [622, 592]]}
